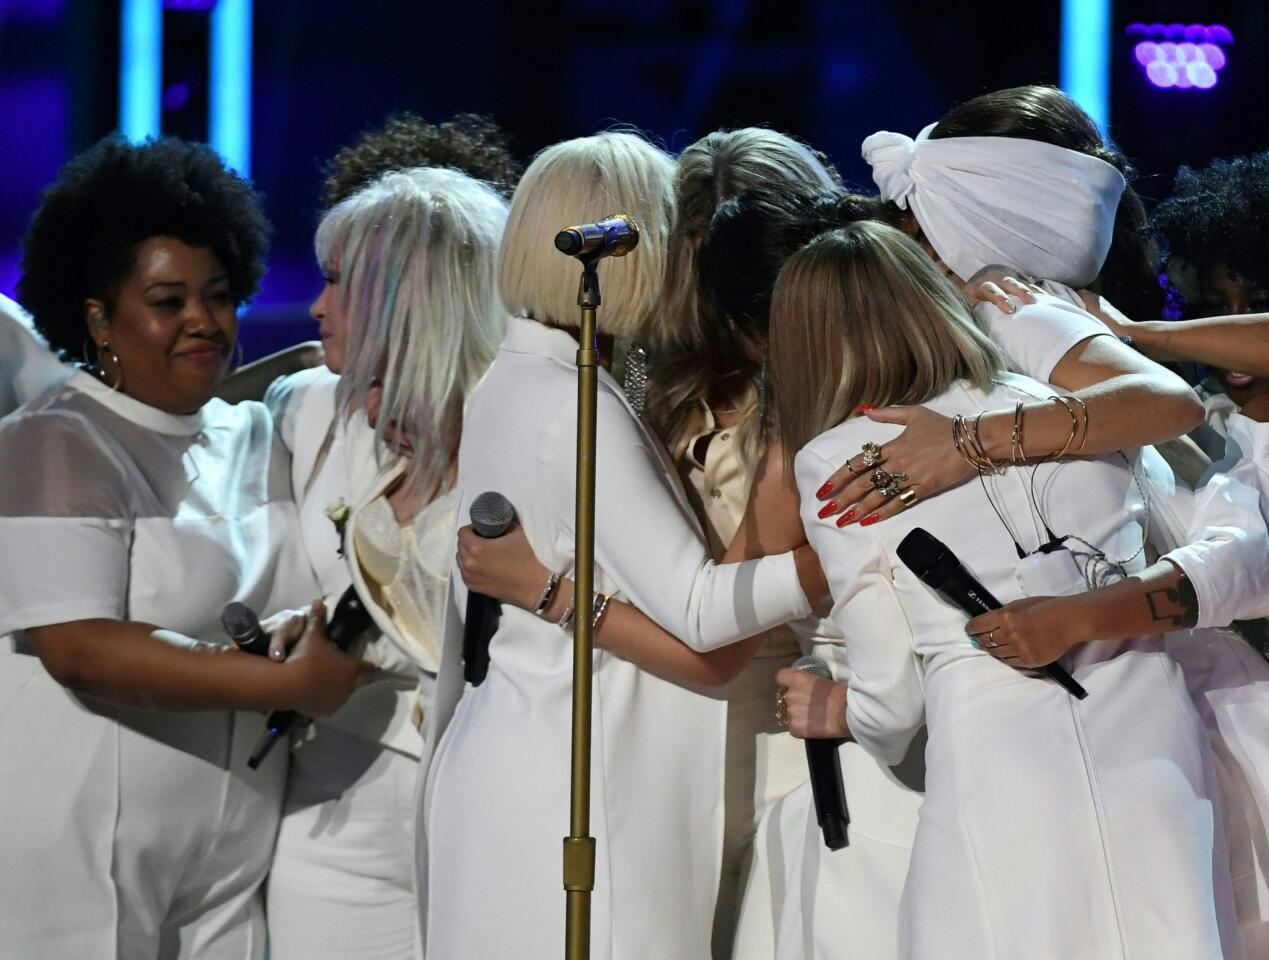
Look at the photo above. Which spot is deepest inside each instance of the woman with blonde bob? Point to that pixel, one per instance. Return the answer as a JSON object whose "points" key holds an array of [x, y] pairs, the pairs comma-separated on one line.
{"points": [[1039, 835], [496, 801], [410, 319]]}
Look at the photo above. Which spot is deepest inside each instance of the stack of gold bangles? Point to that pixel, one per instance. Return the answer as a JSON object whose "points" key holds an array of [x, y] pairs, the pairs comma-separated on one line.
{"points": [[968, 442]]}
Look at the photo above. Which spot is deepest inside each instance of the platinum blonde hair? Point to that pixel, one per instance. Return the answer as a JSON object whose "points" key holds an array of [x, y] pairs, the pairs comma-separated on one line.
{"points": [[416, 252], [579, 181]]}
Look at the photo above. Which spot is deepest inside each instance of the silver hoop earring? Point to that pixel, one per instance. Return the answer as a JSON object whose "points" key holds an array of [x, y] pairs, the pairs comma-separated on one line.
{"points": [[114, 358], [634, 379], [238, 356]]}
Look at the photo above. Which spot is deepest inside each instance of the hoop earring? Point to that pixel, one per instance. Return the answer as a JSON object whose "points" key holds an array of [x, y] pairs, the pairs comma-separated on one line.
{"points": [[634, 378], [238, 356], [114, 358]]}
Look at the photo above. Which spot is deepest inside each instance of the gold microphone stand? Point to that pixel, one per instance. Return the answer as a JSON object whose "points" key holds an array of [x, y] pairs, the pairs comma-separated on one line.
{"points": [[579, 846], [614, 236]]}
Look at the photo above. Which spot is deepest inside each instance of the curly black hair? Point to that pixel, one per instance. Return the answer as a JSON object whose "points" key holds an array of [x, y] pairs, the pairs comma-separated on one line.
{"points": [[1220, 213], [468, 142], [82, 241]]}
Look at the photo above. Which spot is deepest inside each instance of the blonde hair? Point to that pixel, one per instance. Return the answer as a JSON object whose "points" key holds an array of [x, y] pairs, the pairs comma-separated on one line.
{"points": [[862, 315], [579, 181], [415, 252], [691, 351]]}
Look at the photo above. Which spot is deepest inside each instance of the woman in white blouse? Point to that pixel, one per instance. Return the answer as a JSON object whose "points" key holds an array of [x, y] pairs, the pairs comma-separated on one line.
{"points": [[1039, 835], [133, 507], [496, 802], [410, 320]]}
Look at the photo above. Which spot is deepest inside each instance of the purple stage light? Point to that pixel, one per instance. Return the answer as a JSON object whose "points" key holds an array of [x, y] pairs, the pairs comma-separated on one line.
{"points": [[1179, 56], [176, 96]]}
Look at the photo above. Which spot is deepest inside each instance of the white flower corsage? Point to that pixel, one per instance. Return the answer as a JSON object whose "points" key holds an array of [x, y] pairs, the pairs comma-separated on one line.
{"points": [[338, 511]]}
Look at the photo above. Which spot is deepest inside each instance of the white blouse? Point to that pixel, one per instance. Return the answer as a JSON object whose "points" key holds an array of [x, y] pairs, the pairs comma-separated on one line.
{"points": [[27, 366]]}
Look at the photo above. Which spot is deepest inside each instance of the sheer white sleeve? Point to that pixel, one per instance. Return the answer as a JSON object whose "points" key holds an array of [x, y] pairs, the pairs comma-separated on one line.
{"points": [[1040, 334], [885, 706], [66, 521], [648, 541]]}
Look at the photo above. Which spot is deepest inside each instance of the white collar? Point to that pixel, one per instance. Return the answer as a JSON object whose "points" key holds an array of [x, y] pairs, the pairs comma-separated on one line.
{"points": [[532, 337], [142, 414]]}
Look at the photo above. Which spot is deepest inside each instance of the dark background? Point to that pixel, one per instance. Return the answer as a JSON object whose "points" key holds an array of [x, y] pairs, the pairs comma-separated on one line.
{"points": [[829, 71]]}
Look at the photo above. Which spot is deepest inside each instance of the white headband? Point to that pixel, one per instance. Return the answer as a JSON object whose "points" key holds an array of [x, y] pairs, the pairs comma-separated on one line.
{"points": [[1041, 209]]}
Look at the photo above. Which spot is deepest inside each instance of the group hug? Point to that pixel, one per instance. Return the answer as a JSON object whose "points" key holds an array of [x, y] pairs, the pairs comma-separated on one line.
{"points": [[1001, 351]]}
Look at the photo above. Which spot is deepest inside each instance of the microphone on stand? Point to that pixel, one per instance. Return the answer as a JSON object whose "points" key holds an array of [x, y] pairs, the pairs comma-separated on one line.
{"points": [[242, 626], [349, 621], [614, 236], [491, 516], [937, 567], [825, 766]]}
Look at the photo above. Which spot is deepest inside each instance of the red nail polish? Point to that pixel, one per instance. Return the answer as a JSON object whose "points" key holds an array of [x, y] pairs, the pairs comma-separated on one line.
{"points": [[870, 519], [846, 518], [865, 407], [823, 491], [828, 509]]}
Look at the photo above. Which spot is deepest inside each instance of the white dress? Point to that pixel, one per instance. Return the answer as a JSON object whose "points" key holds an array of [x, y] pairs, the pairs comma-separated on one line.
{"points": [[496, 803], [135, 834], [341, 886], [1040, 832]]}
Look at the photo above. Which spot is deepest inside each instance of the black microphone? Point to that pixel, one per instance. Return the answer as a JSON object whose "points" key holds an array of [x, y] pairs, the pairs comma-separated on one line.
{"points": [[491, 516], [242, 626], [825, 767], [937, 567], [614, 236], [346, 624]]}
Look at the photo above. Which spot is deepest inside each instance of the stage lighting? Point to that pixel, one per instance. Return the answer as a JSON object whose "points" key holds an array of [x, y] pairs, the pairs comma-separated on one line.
{"points": [[1177, 56]]}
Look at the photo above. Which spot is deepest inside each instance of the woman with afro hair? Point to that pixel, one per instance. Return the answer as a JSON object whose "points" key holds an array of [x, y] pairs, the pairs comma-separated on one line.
{"points": [[133, 507]]}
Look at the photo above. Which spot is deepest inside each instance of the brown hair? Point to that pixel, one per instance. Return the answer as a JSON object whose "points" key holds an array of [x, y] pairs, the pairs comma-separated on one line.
{"points": [[862, 315]]}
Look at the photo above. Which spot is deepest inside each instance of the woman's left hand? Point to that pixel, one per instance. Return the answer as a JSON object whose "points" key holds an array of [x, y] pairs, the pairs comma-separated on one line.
{"points": [[924, 453], [1031, 632], [814, 707], [505, 568], [993, 284]]}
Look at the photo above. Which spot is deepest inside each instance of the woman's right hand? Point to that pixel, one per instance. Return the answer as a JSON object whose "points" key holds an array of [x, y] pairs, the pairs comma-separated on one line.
{"points": [[815, 707], [321, 677], [505, 568]]}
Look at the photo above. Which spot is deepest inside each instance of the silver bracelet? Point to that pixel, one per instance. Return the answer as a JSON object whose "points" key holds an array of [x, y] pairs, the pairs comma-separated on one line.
{"points": [[548, 594], [565, 622], [601, 607]]}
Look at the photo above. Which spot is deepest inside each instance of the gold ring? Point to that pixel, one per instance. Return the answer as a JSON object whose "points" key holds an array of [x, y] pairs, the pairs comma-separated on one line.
{"points": [[782, 709], [989, 640], [872, 455], [908, 497]]}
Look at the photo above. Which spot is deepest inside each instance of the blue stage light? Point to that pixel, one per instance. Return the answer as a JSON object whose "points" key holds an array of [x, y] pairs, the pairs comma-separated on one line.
{"points": [[229, 101], [1085, 57], [140, 68]]}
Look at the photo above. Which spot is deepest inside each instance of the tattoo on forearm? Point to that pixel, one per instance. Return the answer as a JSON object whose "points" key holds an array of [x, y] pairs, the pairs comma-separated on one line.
{"points": [[1177, 605]]}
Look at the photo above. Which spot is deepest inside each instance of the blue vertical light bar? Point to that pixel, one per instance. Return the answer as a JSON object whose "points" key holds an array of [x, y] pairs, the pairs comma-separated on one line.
{"points": [[229, 107], [140, 68], [1085, 56]]}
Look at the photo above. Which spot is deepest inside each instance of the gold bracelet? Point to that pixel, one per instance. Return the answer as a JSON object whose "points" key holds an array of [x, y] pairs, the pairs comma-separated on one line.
{"points": [[601, 601], [1075, 426], [1016, 452], [1083, 409]]}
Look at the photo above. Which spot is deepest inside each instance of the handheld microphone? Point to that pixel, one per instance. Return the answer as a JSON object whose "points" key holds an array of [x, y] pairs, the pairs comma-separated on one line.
{"points": [[242, 626], [491, 516], [825, 767], [614, 236], [937, 567], [346, 624]]}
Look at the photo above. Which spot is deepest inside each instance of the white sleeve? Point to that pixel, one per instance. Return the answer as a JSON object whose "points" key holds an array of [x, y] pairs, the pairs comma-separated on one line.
{"points": [[27, 366], [65, 524], [278, 400], [648, 542], [1040, 334], [885, 705]]}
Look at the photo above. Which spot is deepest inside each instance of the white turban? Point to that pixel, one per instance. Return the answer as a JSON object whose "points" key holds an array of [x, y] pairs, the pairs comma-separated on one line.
{"points": [[1041, 209]]}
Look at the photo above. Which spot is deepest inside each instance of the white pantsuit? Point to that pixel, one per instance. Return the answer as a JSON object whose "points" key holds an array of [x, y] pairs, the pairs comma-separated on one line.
{"points": [[1040, 832], [496, 802], [135, 834], [341, 886]]}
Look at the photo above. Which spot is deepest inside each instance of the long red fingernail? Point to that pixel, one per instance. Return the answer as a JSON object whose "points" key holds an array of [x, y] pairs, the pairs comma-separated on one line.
{"points": [[870, 519], [865, 407], [824, 491], [846, 518], [828, 509]]}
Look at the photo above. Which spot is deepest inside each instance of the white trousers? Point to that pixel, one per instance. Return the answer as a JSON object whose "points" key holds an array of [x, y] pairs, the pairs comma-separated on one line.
{"points": [[342, 882]]}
